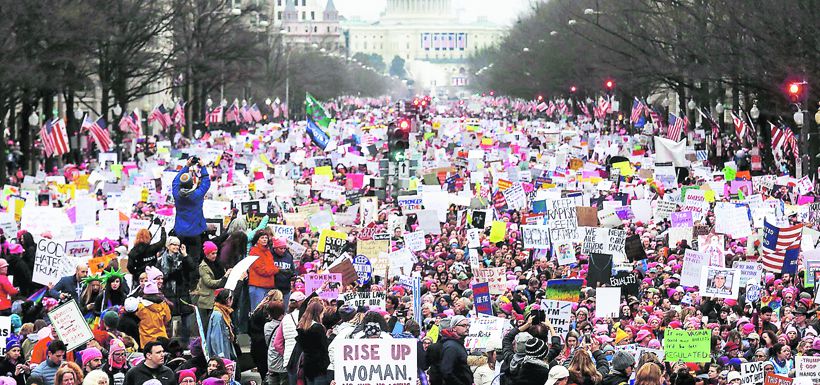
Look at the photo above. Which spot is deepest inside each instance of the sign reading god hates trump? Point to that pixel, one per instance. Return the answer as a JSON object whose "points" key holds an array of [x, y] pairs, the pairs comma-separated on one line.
{"points": [[373, 361]]}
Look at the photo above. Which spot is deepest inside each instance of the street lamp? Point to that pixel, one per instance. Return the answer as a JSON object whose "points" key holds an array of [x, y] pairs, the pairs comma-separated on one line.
{"points": [[554, 33], [754, 112], [267, 101], [525, 49], [277, 101], [798, 118], [33, 119], [78, 114], [572, 22], [117, 110], [209, 102], [691, 105]]}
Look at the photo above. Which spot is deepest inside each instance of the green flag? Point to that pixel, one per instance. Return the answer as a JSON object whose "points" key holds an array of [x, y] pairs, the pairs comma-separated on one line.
{"points": [[316, 112]]}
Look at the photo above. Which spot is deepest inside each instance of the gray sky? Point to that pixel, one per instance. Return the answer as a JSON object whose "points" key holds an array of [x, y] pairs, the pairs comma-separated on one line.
{"points": [[501, 12]]}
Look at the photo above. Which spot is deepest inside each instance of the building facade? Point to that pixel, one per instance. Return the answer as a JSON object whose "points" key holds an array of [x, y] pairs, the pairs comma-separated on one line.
{"points": [[309, 23], [429, 35]]}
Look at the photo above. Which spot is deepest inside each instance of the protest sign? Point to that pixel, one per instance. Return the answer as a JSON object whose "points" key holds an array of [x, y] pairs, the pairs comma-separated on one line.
{"points": [[751, 373], [627, 281], [344, 267], [364, 270], [713, 247], [562, 220], [564, 289], [236, 273], [79, 249], [559, 314], [474, 238], [600, 269], [409, 202], [681, 219], [481, 294], [327, 285], [641, 350], [296, 249], [70, 325], [587, 216], [535, 236], [565, 253], [750, 272], [282, 231], [414, 241], [693, 262], [485, 333], [376, 361], [719, 282], [687, 345], [50, 262], [364, 298], [696, 203], [5, 332], [401, 261], [604, 241], [495, 277], [775, 379], [608, 300], [664, 209], [633, 248], [808, 366]]}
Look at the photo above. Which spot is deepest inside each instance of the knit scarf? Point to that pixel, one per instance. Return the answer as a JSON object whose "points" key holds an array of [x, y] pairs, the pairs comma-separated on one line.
{"points": [[226, 316]]}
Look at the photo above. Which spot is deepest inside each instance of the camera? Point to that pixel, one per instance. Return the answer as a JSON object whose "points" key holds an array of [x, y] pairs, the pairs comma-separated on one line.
{"points": [[194, 159], [538, 316]]}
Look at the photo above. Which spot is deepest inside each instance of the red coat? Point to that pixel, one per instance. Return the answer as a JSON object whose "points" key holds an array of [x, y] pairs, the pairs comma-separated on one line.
{"points": [[6, 290], [263, 270]]}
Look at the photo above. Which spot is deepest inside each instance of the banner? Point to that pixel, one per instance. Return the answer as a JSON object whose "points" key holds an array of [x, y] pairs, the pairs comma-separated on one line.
{"points": [[559, 314], [70, 325], [486, 333], [564, 289], [376, 361], [364, 298], [751, 373], [776, 379], [809, 367], [481, 295], [328, 285], [687, 345]]}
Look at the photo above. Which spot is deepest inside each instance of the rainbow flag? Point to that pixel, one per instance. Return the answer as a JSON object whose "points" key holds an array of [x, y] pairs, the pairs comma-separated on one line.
{"points": [[37, 296]]}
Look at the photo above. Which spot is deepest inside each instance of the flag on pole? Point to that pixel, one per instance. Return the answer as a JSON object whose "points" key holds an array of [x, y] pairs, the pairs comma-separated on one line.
{"points": [[781, 247], [316, 111], [637, 110], [136, 122], [740, 126], [55, 138], [232, 114], [676, 127], [247, 117], [215, 116], [275, 111], [255, 113], [98, 133], [285, 113], [178, 117], [317, 135], [783, 138], [161, 115]]}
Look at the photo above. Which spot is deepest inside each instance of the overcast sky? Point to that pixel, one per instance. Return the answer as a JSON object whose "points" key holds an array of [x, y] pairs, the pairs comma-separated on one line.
{"points": [[501, 12]]}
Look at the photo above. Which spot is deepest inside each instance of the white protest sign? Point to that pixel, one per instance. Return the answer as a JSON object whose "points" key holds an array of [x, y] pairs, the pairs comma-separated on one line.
{"points": [[296, 249], [485, 333], [750, 272], [565, 253], [282, 231], [70, 325], [365, 298], [495, 276], [751, 373], [562, 220], [213, 209], [696, 203], [608, 301], [719, 282], [604, 241], [409, 202], [809, 366], [559, 314], [5, 332], [50, 262], [376, 361], [536, 236], [693, 262], [664, 209], [474, 238], [79, 249], [236, 273], [415, 241]]}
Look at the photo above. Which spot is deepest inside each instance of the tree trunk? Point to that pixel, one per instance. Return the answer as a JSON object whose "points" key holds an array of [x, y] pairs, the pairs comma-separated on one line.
{"points": [[73, 127], [5, 105], [26, 142]]}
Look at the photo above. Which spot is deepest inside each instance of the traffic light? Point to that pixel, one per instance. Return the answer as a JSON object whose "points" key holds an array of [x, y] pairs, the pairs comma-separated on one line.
{"points": [[398, 139], [609, 85], [796, 91], [572, 89]]}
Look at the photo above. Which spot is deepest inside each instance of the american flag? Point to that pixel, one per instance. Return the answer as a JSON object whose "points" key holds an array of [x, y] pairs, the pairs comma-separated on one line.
{"points": [[284, 110], [604, 105], [656, 117], [55, 138], [637, 110], [161, 115], [98, 132], [676, 127], [584, 109], [246, 114], [542, 107], [781, 247], [782, 137], [131, 122], [178, 117], [232, 114], [275, 110], [215, 116], [255, 113], [712, 123], [740, 126]]}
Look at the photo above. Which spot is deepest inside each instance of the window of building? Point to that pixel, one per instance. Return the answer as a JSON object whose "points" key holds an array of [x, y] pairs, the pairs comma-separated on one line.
{"points": [[312, 15], [304, 15], [304, 2], [315, 29], [328, 29], [279, 3], [364, 46], [279, 15]]}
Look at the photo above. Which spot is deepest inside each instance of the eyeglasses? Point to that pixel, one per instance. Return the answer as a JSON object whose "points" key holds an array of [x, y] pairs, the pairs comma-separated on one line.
{"points": [[119, 354], [188, 381], [464, 325]]}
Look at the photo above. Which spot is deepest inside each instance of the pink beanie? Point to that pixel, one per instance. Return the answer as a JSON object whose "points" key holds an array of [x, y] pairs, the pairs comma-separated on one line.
{"points": [[209, 247], [90, 354]]}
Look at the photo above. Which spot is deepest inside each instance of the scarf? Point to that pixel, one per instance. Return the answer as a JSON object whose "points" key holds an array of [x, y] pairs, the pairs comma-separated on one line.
{"points": [[216, 268], [450, 334], [226, 316]]}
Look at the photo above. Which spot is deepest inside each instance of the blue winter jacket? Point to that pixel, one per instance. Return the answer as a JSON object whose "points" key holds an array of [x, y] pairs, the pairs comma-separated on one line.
{"points": [[190, 222], [218, 341]]}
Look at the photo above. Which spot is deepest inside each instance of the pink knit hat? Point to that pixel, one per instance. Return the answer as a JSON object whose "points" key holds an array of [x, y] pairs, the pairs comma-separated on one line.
{"points": [[209, 247]]}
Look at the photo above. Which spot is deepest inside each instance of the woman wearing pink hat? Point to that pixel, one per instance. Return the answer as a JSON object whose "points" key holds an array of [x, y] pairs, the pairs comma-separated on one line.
{"points": [[6, 289]]}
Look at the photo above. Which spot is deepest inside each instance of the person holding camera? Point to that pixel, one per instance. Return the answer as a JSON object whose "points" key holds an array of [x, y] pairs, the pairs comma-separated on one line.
{"points": [[189, 224], [13, 364]]}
